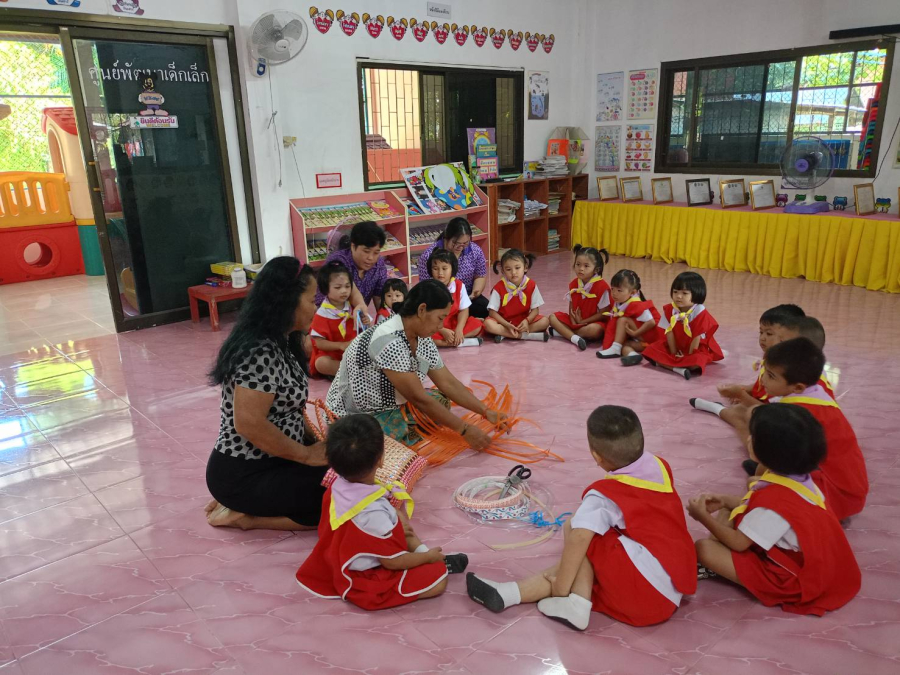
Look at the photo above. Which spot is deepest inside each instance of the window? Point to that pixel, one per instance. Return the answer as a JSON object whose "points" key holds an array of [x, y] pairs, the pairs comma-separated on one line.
{"points": [[418, 116], [741, 112]]}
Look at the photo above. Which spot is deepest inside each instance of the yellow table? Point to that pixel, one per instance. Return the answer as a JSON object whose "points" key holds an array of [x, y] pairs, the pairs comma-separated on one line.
{"points": [[838, 247]]}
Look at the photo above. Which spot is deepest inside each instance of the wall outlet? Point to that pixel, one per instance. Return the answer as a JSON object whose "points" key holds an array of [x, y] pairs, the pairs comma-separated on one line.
{"points": [[289, 141]]}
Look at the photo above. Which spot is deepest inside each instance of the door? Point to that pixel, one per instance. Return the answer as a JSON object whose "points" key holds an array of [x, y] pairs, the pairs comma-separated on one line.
{"points": [[151, 129]]}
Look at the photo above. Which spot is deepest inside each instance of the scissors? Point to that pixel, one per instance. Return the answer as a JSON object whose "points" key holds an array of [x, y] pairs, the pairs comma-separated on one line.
{"points": [[515, 476]]}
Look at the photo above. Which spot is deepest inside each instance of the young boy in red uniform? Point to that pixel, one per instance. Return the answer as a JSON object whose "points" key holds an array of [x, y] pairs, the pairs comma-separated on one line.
{"points": [[367, 552], [627, 550], [781, 541]]}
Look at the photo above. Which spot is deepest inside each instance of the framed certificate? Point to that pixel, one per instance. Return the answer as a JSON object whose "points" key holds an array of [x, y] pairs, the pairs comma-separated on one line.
{"points": [[631, 189], [698, 192], [662, 190], [762, 194], [864, 196], [608, 187], [732, 193]]}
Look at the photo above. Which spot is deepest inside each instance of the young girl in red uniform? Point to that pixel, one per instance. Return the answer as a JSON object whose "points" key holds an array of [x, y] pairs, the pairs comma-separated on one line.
{"points": [[460, 329], [367, 552], [394, 291], [689, 343], [633, 321], [588, 298], [333, 326], [514, 302], [627, 552], [781, 542]]}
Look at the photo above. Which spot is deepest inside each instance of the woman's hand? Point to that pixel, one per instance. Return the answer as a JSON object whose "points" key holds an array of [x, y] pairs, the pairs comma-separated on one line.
{"points": [[477, 439], [366, 319], [315, 455], [497, 418]]}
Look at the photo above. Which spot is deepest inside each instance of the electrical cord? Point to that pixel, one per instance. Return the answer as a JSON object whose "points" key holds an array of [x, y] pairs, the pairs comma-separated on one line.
{"points": [[297, 164], [273, 123]]}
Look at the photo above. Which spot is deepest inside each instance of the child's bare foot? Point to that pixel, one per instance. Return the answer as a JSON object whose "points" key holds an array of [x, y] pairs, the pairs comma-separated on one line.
{"points": [[211, 506], [222, 516]]}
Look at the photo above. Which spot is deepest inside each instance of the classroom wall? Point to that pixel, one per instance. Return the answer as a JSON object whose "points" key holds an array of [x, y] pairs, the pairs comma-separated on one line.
{"points": [[634, 35]]}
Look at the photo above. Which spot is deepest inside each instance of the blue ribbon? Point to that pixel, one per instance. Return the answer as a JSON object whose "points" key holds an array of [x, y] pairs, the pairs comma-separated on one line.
{"points": [[537, 519]]}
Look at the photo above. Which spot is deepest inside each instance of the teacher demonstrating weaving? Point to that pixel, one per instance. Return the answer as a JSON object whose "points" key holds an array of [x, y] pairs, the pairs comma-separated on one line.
{"points": [[472, 266], [265, 471], [384, 368]]}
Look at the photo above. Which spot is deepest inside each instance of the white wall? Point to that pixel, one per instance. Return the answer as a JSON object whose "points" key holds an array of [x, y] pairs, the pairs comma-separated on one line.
{"points": [[663, 30]]}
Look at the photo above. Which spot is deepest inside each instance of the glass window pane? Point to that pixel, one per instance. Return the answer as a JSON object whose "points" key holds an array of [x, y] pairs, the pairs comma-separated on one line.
{"points": [[869, 66], [680, 127], [823, 70], [729, 102], [777, 111], [391, 122]]}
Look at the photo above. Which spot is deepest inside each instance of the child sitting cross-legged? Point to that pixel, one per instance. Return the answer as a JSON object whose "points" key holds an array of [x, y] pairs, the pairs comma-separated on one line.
{"points": [[459, 329], [367, 552], [627, 551], [781, 541], [515, 301]]}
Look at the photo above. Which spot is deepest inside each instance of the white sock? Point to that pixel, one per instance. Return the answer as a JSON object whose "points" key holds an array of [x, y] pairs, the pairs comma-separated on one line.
{"points": [[614, 350], [573, 610], [508, 590], [422, 548], [680, 371], [471, 342], [575, 340], [708, 406], [533, 336]]}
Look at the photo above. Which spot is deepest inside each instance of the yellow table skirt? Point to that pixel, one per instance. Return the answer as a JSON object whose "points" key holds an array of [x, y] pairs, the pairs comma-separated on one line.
{"points": [[845, 249]]}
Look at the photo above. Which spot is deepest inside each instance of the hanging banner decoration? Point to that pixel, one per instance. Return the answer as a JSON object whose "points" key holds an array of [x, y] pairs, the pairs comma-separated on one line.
{"points": [[64, 3], [153, 116], [498, 37], [548, 42], [440, 32], [606, 148], [132, 7], [460, 34], [515, 40], [533, 40], [419, 30], [348, 22], [479, 35], [321, 20], [397, 27], [374, 24]]}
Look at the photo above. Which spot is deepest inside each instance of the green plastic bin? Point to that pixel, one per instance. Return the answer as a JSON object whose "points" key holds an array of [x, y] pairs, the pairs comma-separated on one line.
{"points": [[90, 250]]}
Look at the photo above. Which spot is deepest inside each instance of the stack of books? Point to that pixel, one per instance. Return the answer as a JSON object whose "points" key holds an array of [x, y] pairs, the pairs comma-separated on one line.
{"points": [[553, 166], [507, 210], [483, 165], [533, 208], [553, 240], [553, 201]]}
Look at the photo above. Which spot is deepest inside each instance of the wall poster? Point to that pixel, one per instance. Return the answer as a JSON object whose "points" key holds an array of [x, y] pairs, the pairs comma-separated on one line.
{"points": [[638, 147], [606, 148], [609, 96], [642, 86]]}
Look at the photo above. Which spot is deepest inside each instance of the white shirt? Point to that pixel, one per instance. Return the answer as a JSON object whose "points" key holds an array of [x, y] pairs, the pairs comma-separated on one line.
{"points": [[536, 300], [598, 513], [767, 528], [378, 519], [464, 301]]}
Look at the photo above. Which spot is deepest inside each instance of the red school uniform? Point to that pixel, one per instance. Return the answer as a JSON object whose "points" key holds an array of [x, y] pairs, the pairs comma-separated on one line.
{"points": [[653, 517], [588, 297], [759, 391], [842, 475], [822, 576], [514, 303], [686, 326], [639, 311], [334, 325], [328, 573], [461, 301], [383, 315]]}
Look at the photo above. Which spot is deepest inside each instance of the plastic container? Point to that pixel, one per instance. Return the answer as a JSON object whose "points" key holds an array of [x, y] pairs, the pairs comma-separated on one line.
{"points": [[238, 278], [90, 250]]}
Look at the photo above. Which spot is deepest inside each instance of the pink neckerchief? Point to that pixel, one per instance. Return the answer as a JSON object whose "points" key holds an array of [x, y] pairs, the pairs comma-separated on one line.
{"points": [[584, 289], [513, 291], [346, 495], [331, 312], [817, 391], [804, 479], [644, 467]]}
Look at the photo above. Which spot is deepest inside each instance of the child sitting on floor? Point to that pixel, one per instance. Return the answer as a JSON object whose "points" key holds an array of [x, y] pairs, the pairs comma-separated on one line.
{"points": [[588, 298], [394, 291], [633, 321], [689, 344], [627, 550], [333, 326], [781, 541], [460, 329], [367, 552], [515, 301]]}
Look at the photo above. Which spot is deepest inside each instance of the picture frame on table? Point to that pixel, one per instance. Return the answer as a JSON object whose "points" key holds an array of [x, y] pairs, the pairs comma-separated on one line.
{"points": [[864, 196], [631, 189], [662, 190], [732, 192], [698, 192], [762, 194], [607, 188]]}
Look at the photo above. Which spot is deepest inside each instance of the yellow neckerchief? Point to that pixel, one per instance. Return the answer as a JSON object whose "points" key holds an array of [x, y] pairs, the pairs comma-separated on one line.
{"points": [[396, 488], [513, 291], [584, 289], [777, 479], [760, 367], [665, 486], [343, 313], [616, 312], [684, 317], [828, 402]]}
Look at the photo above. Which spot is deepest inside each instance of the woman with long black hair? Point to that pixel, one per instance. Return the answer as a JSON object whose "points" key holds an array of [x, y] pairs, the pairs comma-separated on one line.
{"points": [[265, 471], [471, 266]]}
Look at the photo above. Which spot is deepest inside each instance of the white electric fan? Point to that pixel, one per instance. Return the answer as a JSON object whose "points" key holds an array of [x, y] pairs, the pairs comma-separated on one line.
{"points": [[805, 165], [276, 37]]}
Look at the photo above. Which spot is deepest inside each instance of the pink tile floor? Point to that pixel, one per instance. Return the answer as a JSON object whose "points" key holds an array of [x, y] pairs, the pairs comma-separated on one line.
{"points": [[108, 565]]}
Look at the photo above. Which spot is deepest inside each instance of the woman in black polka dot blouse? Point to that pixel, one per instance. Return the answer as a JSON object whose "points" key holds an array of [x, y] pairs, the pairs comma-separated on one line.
{"points": [[265, 472]]}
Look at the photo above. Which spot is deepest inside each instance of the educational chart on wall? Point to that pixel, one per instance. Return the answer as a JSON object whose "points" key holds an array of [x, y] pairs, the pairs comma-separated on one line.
{"points": [[642, 85], [609, 96], [539, 92], [441, 188], [606, 148], [638, 147]]}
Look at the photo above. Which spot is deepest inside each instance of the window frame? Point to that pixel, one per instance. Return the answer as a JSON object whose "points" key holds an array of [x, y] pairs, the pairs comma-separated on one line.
{"points": [[362, 64], [668, 70]]}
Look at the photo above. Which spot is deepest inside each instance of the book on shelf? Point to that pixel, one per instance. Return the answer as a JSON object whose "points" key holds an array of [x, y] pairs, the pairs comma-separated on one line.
{"points": [[553, 166], [553, 201], [382, 209], [533, 208], [487, 167], [553, 240], [485, 150], [507, 209]]}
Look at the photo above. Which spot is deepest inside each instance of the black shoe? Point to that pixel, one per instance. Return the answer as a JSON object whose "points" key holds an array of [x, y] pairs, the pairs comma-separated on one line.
{"points": [[551, 332], [601, 355], [484, 594], [632, 359], [498, 339], [582, 345], [456, 562], [547, 334], [704, 573], [750, 466], [651, 362], [687, 374]]}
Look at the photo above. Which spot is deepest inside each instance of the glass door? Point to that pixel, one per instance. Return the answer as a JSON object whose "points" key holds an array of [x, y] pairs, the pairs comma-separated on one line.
{"points": [[151, 130]]}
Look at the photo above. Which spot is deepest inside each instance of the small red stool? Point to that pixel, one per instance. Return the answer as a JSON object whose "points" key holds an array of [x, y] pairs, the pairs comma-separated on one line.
{"points": [[211, 295], [58, 251]]}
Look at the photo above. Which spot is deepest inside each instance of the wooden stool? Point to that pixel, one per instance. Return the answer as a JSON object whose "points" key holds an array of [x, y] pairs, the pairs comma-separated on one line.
{"points": [[211, 295]]}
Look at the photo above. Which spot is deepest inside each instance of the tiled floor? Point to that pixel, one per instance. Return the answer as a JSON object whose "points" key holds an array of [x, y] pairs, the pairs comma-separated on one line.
{"points": [[108, 565], [41, 313]]}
